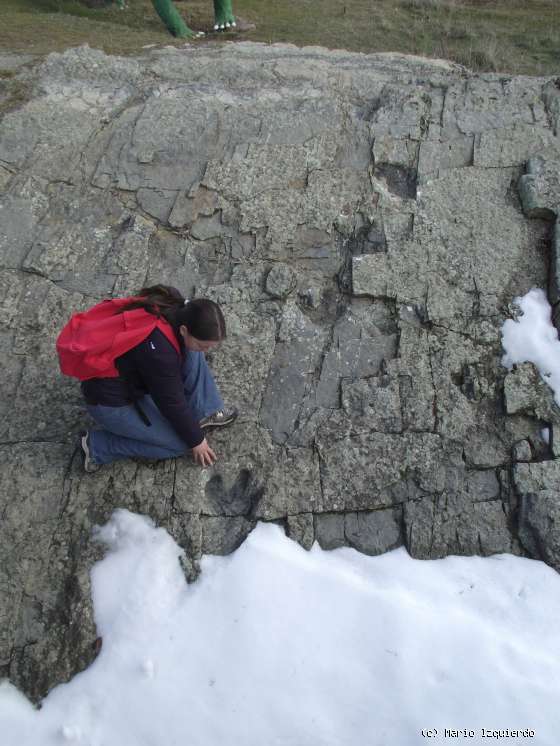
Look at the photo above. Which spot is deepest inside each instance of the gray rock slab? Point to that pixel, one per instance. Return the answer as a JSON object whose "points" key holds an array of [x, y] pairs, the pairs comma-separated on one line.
{"points": [[365, 471], [50, 145], [294, 485], [401, 116], [38, 550], [280, 281], [20, 212], [432, 525], [525, 392], [207, 227], [539, 526], [145, 157], [329, 530], [224, 535], [488, 103], [513, 146], [395, 151], [158, 203], [370, 532], [431, 266], [173, 261], [192, 203], [482, 485], [551, 97], [522, 451], [309, 425], [413, 369], [439, 155], [374, 403], [372, 274], [351, 358], [539, 188], [77, 233], [375, 532], [355, 218], [536, 477], [300, 528], [243, 362], [455, 234], [486, 448], [297, 354], [235, 485]]}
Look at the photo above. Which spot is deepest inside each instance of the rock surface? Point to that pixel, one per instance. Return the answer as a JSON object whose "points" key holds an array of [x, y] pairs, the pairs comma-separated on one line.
{"points": [[359, 220], [539, 189]]}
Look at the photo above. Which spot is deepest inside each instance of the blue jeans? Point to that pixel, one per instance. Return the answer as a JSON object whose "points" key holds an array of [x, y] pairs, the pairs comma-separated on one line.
{"points": [[124, 435]]}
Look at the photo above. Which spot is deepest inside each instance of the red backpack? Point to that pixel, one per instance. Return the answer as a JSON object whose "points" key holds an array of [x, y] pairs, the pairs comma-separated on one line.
{"points": [[91, 340]]}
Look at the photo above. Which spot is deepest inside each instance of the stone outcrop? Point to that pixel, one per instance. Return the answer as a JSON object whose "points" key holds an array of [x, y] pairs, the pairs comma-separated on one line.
{"points": [[359, 220], [540, 195]]}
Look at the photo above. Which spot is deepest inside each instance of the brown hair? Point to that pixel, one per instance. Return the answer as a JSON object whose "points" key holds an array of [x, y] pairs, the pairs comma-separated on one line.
{"points": [[202, 317]]}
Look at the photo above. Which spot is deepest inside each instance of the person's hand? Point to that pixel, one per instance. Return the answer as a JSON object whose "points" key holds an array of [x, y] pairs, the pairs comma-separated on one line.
{"points": [[203, 454]]}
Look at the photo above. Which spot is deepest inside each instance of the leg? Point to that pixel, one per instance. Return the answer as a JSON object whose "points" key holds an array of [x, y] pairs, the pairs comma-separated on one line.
{"points": [[124, 435], [223, 15], [173, 19], [201, 391]]}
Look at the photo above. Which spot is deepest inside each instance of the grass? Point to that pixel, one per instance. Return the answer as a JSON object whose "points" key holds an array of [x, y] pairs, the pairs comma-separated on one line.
{"points": [[511, 36], [13, 92]]}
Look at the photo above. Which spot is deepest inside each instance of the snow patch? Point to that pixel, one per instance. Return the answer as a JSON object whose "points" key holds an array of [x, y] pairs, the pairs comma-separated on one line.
{"points": [[276, 645], [533, 338]]}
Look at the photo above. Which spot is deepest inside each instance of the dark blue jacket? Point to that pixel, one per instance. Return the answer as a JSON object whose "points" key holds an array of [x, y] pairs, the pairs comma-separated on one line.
{"points": [[153, 367]]}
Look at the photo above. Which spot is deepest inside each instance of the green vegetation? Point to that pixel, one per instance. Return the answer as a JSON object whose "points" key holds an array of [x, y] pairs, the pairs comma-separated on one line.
{"points": [[513, 36], [13, 92]]}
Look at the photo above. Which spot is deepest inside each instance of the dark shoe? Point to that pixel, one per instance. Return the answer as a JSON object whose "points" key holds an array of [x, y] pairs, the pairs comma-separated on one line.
{"points": [[219, 419], [88, 463]]}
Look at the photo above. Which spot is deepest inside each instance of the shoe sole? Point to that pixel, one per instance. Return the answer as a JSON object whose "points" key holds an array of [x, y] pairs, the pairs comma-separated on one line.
{"points": [[223, 423], [87, 463]]}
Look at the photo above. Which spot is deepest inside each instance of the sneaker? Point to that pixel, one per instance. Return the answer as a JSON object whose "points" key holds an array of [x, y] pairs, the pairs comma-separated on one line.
{"points": [[88, 463], [219, 419]]}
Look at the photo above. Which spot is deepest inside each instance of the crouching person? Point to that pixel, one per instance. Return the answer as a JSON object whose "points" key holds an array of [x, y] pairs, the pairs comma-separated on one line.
{"points": [[144, 376]]}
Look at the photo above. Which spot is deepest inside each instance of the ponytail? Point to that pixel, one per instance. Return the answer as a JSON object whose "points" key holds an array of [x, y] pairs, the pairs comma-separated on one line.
{"points": [[161, 300], [202, 317]]}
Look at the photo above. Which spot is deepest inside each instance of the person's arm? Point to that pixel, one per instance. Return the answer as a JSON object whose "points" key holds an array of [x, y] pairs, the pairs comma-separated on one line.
{"points": [[159, 366]]}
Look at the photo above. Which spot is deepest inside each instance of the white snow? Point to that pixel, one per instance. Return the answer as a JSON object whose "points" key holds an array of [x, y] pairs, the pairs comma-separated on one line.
{"points": [[533, 338], [276, 646]]}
